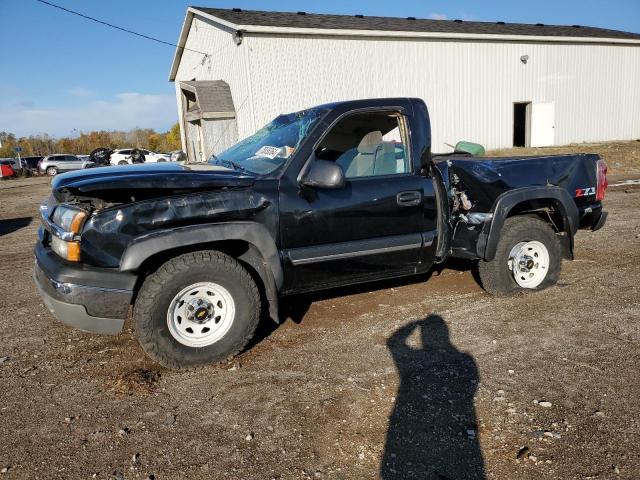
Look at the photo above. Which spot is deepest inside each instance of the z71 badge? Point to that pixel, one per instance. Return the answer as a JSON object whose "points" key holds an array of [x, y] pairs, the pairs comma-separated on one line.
{"points": [[584, 192]]}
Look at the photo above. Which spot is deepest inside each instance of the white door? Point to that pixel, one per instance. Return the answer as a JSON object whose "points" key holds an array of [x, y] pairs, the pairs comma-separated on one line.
{"points": [[542, 124]]}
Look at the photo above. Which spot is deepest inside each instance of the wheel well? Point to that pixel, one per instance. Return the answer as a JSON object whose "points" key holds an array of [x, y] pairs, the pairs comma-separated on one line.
{"points": [[242, 251], [546, 209]]}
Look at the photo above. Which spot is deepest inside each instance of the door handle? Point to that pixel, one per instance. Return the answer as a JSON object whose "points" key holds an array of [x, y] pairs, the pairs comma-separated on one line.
{"points": [[409, 199]]}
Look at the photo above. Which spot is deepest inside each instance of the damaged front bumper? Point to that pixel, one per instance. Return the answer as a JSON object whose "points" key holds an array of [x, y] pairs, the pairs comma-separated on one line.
{"points": [[83, 298]]}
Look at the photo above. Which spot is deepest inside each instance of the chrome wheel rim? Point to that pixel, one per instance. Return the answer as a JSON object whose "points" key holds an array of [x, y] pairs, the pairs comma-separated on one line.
{"points": [[529, 263], [201, 314]]}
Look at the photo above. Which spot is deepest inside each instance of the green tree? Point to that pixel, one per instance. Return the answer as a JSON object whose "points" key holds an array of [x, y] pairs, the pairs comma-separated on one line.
{"points": [[173, 138], [8, 141], [84, 143]]}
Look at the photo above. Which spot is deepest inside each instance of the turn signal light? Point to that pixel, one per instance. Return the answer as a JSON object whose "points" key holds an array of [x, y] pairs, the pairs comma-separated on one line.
{"points": [[68, 250], [78, 221], [73, 251]]}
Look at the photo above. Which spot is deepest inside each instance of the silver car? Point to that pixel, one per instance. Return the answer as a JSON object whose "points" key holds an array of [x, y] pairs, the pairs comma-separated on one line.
{"points": [[54, 164]]}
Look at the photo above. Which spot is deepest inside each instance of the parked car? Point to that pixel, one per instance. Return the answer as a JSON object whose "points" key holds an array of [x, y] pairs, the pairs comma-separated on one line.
{"points": [[31, 162], [13, 162], [6, 169], [177, 156], [100, 156], [54, 164], [315, 200], [123, 156]]}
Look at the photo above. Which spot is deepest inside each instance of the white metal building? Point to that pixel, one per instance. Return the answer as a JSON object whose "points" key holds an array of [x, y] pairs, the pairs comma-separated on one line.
{"points": [[493, 83]]}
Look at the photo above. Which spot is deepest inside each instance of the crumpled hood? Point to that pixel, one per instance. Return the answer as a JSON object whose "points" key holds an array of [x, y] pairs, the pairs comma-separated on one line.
{"points": [[161, 178]]}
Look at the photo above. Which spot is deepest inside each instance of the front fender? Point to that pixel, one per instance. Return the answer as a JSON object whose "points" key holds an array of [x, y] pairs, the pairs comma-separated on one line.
{"points": [[490, 234], [262, 256], [256, 234]]}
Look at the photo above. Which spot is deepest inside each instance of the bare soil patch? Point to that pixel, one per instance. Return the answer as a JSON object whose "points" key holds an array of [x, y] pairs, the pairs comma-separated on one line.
{"points": [[332, 392]]}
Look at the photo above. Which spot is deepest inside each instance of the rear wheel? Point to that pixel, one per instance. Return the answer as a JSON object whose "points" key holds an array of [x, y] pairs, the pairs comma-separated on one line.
{"points": [[527, 258], [198, 308], [52, 171]]}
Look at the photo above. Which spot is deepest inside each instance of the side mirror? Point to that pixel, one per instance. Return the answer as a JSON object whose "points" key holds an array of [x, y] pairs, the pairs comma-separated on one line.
{"points": [[324, 174]]}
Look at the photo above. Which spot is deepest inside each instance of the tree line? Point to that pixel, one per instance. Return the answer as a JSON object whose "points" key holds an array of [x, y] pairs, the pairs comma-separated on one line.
{"points": [[83, 144]]}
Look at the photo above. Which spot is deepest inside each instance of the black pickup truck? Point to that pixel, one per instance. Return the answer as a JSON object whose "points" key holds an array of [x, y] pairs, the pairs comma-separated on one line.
{"points": [[333, 195]]}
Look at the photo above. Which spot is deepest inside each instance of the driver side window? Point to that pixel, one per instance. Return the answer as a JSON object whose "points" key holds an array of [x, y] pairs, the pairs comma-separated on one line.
{"points": [[367, 144]]}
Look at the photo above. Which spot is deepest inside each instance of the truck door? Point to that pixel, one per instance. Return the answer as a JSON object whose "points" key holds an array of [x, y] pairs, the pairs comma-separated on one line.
{"points": [[378, 225]]}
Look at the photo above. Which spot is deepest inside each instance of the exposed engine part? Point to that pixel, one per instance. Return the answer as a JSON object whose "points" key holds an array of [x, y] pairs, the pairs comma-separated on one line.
{"points": [[460, 200], [464, 200], [459, 196]]}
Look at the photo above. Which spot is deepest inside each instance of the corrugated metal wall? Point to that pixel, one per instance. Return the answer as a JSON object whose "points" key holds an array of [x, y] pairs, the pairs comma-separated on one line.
{"points": [[226, 61], [469, 87]]}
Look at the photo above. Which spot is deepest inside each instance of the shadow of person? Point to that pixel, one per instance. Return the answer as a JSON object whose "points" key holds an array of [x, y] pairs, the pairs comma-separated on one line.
{"points": [[432, 430]]}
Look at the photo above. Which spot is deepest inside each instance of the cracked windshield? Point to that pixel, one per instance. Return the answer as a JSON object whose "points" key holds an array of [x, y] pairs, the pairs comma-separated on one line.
{"points": [[270, 147]]}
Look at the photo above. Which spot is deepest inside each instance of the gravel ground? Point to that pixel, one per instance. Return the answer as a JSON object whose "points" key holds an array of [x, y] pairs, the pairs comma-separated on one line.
{"points": [[422, 378]]}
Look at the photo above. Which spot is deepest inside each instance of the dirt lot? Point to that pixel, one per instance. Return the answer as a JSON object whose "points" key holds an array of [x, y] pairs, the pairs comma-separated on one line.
{"points": [[335, 393]]}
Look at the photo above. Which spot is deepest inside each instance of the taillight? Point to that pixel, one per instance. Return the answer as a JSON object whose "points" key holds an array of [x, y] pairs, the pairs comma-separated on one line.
{"points": [[601, 176]]}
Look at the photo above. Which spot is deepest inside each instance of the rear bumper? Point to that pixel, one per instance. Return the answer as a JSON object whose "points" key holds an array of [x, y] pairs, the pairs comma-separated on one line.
{"points": [[593, 218], [600, 221], [99, 309]]}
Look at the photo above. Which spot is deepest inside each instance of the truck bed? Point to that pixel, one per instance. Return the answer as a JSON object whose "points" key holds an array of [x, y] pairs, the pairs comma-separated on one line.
{"points": [[486, 178]]}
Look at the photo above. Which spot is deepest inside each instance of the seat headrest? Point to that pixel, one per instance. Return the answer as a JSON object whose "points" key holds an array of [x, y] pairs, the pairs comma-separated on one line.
{"points": [[370, 142]]}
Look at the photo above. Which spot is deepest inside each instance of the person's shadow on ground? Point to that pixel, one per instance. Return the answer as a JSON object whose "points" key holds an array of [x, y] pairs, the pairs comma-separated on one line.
{"points": [[433, 429]]}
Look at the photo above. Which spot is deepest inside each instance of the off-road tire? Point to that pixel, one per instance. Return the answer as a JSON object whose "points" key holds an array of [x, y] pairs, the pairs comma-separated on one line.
{"points": [[496, 277], [52, 171], [160, 287]]}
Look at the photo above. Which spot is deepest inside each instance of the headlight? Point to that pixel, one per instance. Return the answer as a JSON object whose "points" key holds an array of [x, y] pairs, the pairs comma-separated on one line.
{"points": [[69, 219], [67, 222], [68, 250]]}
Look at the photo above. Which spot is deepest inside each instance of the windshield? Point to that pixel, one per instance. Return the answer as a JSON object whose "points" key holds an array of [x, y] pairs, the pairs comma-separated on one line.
{"points": [[270, 147]]}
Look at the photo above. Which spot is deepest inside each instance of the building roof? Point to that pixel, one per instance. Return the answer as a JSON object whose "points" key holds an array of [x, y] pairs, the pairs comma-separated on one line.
{"points": [[395, 24], [302, 23]]}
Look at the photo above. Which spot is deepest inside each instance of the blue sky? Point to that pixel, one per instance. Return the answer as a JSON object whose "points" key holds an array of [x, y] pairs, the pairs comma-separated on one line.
{"points": [[62, 74]]}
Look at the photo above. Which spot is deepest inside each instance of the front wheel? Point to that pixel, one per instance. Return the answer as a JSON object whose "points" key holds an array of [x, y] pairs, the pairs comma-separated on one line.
{"points": [[52, 171], [123, 162], [198, 308], [528, 257]]}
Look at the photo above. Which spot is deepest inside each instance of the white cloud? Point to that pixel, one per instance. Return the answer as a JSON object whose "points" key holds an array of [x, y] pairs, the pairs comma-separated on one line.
{"points": [[438, 16], [123, 112]]}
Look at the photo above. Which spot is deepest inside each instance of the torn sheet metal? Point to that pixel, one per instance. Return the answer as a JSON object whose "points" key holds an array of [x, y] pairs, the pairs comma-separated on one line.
{"points": [[108, 232]]}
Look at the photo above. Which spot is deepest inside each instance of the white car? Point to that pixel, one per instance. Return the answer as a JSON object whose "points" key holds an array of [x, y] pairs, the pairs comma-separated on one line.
{"points": [[123, 156]]}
